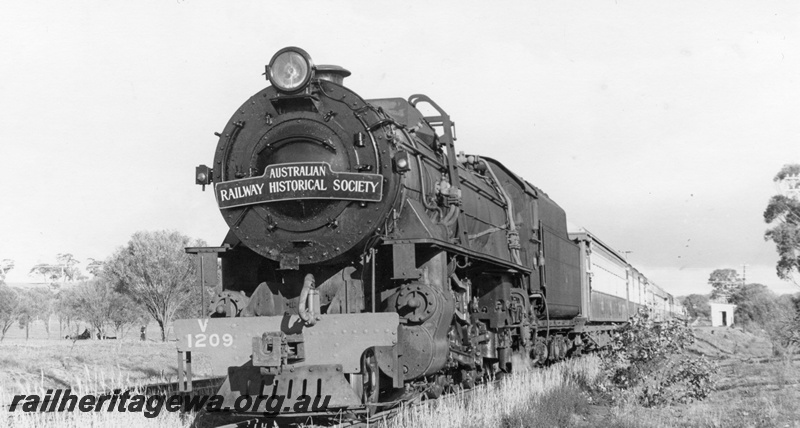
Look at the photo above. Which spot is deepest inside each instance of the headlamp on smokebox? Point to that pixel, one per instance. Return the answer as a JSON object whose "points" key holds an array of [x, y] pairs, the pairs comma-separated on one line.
{"points": [[290, 70]]}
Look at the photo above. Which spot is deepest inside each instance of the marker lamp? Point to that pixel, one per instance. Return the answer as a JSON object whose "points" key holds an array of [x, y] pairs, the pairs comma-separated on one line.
{"points": [[401, 164], [290, 69]]}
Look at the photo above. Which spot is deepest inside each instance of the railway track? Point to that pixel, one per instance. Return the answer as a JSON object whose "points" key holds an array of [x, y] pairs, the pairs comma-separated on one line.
{"points": [[350, 419], [200, 386]]}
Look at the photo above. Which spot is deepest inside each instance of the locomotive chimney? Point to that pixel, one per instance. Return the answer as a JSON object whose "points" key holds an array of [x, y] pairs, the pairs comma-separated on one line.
{"points": [[331, 73]]}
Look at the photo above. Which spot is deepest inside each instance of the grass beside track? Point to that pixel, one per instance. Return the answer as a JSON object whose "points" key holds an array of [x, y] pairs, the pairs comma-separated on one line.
{"points": [[38, 365], [752, 394], [530, 398], [754, 389]]}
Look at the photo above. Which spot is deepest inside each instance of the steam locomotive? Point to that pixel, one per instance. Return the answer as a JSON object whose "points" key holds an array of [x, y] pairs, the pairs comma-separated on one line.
{"points": [[369, 261]]}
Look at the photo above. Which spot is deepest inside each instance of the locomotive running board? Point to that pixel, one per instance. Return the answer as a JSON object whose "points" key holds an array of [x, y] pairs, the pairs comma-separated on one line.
{"points": [[334, 339], [461, 250]]}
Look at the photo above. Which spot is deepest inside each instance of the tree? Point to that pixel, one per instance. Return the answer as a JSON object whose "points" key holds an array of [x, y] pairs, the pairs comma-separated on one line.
{"points": [[9, 304], [95, 267], [723, 282], [97, 302], [64, 270], [72, 272], [67, 308], [783, 215], [758, 306], [94, 302], [696, 305], [50, 273], [5, 266], [127, 313], [155, 271], [787, 330], [755, 304], [34, 304]]}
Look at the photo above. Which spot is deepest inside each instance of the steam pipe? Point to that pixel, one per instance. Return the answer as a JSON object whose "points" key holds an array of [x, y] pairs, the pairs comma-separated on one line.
{"points": [[305, 306], [452, 216], [420, 169], [512, 227]]}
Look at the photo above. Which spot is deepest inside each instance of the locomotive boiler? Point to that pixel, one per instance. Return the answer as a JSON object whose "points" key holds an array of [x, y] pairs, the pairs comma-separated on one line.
{"points": [[368, 260]]}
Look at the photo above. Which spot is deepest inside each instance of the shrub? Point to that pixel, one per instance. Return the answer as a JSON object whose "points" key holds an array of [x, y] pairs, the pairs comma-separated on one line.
{"points": [[647, 361]]}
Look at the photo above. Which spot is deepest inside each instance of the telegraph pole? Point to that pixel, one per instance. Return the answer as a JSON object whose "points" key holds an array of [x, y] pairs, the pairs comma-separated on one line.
{"points": [[744, 274]]}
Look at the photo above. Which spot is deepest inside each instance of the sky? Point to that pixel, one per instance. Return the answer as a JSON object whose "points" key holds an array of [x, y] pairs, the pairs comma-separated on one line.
{"points": [[656, 125]]}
